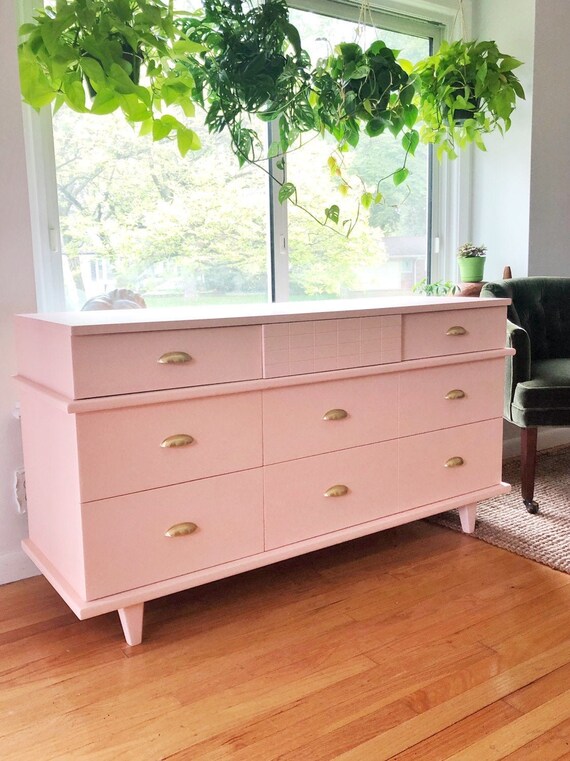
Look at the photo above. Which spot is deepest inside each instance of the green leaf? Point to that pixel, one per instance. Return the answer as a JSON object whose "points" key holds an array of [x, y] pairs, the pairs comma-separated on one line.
{"points": [[104, 102], [401, 176], [187, 140], [366, 199], [182, 48], [293, 36], [286, 191], [410, 115], [410, 141], [333, 213], [509, 63], [92, 69]]}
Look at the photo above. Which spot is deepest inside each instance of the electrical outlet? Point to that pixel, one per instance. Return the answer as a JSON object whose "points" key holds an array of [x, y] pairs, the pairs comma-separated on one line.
{"points": [[20, 491]]}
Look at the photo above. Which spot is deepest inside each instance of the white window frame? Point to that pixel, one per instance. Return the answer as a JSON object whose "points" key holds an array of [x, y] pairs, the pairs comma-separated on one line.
{"points": [[450, 213]]}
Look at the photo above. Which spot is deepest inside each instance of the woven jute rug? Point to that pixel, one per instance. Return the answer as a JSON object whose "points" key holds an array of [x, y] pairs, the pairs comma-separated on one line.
{"points": [[504, 522]]}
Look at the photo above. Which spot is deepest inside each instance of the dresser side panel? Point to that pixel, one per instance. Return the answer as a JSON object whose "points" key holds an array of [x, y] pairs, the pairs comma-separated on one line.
{"points": [[52, 484], [44, 354]]}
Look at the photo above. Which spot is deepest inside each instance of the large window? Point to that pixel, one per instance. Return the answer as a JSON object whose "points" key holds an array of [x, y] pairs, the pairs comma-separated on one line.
{"points": [[132, 214]]}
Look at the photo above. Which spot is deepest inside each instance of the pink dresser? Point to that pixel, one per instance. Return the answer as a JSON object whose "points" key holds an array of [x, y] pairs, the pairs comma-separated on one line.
{"points": [[166, 449]]}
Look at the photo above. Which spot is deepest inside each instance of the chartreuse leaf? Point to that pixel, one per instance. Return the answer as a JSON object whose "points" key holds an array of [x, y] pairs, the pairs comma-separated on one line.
{"points": [[401, 175], [366, 199], [187, 140], [104, 102]]}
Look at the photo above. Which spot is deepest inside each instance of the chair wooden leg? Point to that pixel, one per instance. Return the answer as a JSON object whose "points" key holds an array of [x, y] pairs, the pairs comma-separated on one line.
{"points": [[528, 468]]}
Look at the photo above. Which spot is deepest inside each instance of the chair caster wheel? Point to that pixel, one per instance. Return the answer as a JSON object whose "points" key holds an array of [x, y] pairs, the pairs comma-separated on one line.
{"points": [[531, 506]]}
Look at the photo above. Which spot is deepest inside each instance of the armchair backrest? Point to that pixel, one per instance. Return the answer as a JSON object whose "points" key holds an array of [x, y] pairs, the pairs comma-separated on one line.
{"points": [[541, 305]]}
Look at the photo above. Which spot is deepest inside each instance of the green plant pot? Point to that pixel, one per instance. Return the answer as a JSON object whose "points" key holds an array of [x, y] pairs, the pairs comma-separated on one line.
{"points": [[471, 268]]}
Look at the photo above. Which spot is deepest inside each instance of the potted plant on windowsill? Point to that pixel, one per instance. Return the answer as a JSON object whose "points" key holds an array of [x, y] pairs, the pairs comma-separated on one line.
{"points": [[471, 260], [465, 91]]}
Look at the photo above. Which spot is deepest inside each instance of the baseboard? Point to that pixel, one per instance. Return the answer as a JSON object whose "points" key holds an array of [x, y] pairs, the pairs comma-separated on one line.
{"points": [[547, 439], [15, 566]]}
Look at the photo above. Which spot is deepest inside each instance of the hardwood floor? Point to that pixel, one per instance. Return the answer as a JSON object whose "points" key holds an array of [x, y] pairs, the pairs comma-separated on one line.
{"points": [[416, 643]]}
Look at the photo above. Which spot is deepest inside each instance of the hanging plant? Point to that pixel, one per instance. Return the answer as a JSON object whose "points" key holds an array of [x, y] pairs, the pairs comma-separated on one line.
{"points": [[253, 64], [465, 91], [98, 56]]}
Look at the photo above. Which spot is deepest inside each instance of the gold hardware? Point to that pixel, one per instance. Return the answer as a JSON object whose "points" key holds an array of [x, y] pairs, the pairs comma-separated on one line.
{"points": [[335, 415], [174, 358], [454, 462], [178, 440], [338, 490], [455, 393], [181, 529], [456, 330]]}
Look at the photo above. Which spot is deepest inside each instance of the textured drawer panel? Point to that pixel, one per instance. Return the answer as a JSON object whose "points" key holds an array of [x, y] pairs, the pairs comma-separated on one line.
{"points": [[125, 542], [433, 334], [294, 424], [423, 477], [120, 449], [124, 363], [440, 397], [293, 348], [295, 505]]}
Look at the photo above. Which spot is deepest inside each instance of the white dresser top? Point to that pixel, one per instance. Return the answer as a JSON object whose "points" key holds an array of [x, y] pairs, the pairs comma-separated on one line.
{"points": [[172, 318]]}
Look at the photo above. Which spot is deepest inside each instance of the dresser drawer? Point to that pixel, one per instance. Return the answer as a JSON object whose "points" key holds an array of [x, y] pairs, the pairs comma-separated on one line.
{"points": [[137, 448], [433, 334], [125, 542], [324, 417], [440, 397], [296, 507], [472, 454], [293, 348], [125, 363]]}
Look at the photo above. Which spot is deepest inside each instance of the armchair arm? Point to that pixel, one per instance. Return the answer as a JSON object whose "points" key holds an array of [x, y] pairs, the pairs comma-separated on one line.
{"points": [[517, 369]]}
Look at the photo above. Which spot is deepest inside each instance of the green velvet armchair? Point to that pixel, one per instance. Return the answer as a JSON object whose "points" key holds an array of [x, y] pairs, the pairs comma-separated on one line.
{"points": [[537, 385]]}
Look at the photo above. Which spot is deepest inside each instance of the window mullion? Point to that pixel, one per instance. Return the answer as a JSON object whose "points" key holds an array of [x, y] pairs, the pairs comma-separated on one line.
{"points": [[278, 237]]}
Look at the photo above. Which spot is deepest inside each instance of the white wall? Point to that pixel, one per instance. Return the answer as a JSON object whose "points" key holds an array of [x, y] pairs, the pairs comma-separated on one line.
{"points": [[501, 176], [17, 292], [550, 174]]}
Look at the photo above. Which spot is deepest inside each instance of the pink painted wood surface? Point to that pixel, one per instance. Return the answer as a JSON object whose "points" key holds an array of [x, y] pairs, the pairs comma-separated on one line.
{"points": [[127, 363], [120, 450], [87, 609], [293, 424], [52, 483], [467, 516], [295, 505], [44, 354], [423, 477], [132, 622], [125, 542], [425, 335], [424, 406], [291, 348]]}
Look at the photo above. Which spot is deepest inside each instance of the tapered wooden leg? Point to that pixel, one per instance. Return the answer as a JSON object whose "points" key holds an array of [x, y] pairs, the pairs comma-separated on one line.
{"points": [[132, 623], [528, 467], [467, 515]]}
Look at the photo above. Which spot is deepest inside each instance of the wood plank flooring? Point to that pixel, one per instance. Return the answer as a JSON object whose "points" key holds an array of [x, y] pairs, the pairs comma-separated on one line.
{"points": [[414, 644]]}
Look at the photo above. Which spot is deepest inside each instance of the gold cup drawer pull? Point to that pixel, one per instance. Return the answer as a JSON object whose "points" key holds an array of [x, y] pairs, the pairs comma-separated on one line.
{"points": [[456, 330], [181, 529], [455, 393], [455, 462], [336, 414], [178, 440], [338, 490], [174, 358]]}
